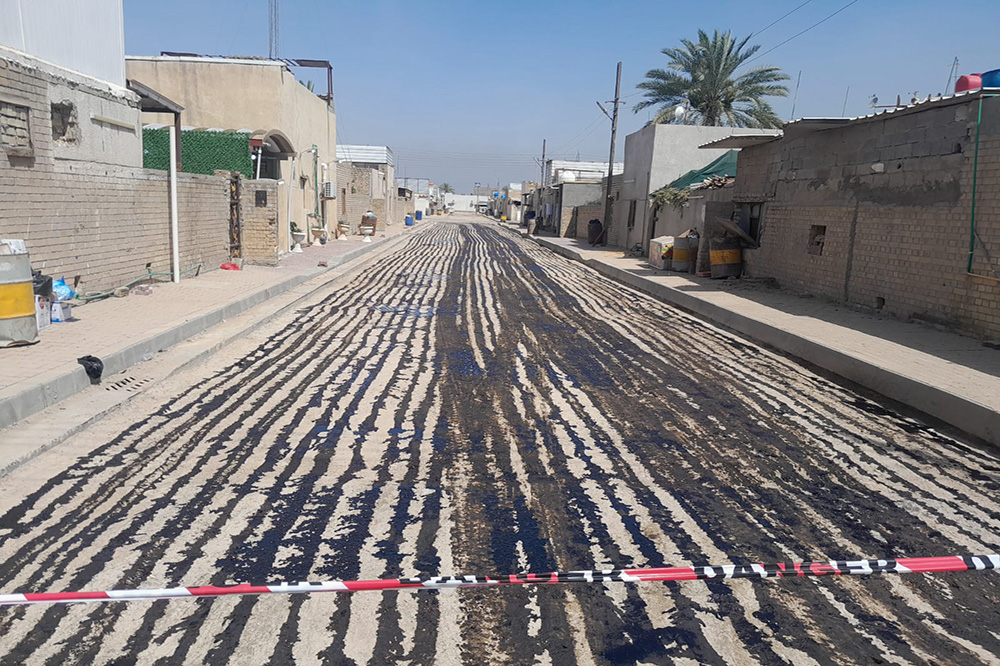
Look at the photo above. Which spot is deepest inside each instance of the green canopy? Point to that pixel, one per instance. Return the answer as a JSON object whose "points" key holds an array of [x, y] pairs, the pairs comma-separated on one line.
{"points": [[724, 165]]}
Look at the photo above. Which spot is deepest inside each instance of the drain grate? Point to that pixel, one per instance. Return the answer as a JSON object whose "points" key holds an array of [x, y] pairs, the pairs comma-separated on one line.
{"points": [[127, 384]]}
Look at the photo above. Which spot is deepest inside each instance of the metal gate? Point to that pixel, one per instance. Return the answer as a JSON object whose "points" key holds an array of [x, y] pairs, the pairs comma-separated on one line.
{"points": [[235, 221]]}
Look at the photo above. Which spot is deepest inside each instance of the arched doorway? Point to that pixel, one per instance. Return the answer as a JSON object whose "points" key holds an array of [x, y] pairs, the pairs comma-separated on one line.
{"points": [[275, 147]]}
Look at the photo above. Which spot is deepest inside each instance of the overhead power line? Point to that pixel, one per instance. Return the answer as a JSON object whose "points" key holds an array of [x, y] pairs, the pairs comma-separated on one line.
{"points": [[779, 20], [799, 34]]}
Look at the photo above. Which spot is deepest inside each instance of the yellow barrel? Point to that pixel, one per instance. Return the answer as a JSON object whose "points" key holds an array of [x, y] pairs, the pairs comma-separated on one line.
{"points": [[682, 255], [18, 325], [726, 257]]}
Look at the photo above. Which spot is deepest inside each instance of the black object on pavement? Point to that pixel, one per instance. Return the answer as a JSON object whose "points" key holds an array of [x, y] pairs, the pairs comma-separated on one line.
{"points": [[42, 284], [94, 367]]}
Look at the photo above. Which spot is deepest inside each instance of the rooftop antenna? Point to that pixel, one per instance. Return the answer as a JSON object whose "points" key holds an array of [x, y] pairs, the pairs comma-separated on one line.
{"points": [[795, 99], [273, 45], [952, 75], [843, 114]]}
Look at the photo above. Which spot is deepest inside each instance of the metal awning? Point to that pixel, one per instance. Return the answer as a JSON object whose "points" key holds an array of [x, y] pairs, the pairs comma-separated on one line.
{"points": [[805, 126], [150, 100]]}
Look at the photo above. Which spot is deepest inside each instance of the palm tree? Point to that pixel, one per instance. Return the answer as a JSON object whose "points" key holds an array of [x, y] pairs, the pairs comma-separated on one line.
{"points": [[702, 76], [447, 189]]}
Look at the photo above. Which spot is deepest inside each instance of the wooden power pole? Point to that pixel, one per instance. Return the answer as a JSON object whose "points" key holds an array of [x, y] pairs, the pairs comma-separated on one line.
{"points": [[603, 239]]}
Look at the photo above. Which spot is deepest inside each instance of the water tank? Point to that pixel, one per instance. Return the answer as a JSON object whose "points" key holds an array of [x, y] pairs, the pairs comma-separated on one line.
{"points": [[969, 82], [991, 79], [567, 176]]}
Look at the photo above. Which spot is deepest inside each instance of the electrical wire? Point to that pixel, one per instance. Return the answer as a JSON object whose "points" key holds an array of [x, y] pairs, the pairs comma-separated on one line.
{"points": [[799, 34], [774, 23], [569, 144]]}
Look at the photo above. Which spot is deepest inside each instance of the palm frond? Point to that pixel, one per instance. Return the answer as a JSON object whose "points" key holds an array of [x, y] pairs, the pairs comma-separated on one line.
{"points": [[703, 72]]}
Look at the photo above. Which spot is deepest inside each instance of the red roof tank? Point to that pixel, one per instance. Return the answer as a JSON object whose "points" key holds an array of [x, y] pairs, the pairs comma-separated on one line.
{"points": [[969, 82]]}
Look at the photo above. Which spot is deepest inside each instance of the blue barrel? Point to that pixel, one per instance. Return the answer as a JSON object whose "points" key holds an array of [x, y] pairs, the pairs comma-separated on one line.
{"points": [[991, 79], [409, 220], [420, 215]]}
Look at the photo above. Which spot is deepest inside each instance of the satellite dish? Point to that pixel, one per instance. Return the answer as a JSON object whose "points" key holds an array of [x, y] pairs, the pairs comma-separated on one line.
{"points": [[679, 113]]}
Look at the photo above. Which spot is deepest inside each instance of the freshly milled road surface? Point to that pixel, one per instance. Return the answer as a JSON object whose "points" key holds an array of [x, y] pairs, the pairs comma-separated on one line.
{"points": [[472, 403]]}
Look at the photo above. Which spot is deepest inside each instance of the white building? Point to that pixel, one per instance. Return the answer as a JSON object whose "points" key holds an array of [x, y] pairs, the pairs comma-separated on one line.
{"points": [[576, 171], [79, 46]]}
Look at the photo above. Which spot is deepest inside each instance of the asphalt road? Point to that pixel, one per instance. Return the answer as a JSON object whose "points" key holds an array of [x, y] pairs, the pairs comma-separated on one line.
{"points": [[471, 403]]}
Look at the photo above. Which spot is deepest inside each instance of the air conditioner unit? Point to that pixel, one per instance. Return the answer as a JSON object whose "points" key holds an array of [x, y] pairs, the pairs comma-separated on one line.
{"points": [[329, 190]]}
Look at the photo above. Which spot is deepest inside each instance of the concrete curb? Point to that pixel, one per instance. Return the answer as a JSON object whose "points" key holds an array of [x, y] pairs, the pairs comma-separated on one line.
{"points": [[59, 387], [955, 410]]}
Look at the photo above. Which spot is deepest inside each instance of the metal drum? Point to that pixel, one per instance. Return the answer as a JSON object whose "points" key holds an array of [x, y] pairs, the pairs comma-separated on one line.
{"points": [[727, 257], [420, 215], [682, 255], [18, 325], [408, 220]]}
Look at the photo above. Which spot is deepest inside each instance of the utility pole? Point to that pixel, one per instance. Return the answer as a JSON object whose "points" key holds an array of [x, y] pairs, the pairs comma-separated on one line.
{"points": [[274, 30], [795, 99], [603, 238], [952, 76], [541, 183]]}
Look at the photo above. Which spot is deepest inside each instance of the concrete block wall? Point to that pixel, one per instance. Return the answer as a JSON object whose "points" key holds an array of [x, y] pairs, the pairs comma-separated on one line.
{"points": [[895, 198], [260, 223], [94, 218]]}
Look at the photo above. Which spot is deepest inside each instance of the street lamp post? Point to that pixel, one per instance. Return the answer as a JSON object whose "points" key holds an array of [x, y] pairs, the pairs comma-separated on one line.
{"points": [[478, 185]]}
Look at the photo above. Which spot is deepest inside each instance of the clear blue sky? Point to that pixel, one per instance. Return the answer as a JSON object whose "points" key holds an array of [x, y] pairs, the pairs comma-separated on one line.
{"points": [[466, 91]]}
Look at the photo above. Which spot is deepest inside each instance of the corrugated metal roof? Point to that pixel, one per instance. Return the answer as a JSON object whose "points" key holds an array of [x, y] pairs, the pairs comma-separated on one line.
{"points": [[366, 154], [737, 141], [817, 124]]}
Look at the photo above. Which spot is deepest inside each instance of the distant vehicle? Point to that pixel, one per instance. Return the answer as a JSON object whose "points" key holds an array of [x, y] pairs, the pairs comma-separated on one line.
{"points": [[482, 208]]}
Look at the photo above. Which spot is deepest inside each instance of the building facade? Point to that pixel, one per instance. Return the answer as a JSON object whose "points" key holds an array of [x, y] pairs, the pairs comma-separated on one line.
{"points": [[295, 129], [654, 156], [71, 153], [898, 212], [366, 177]]}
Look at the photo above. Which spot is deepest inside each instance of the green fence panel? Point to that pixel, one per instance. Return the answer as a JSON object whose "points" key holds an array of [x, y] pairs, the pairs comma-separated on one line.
{"points": [[201, 152]]}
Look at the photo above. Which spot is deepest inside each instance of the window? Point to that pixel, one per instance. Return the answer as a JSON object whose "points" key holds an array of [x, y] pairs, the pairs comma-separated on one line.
{"points": [[631, 214], [260, 198], [751, 215], [817, 237], [64, 127], [15, 129]]}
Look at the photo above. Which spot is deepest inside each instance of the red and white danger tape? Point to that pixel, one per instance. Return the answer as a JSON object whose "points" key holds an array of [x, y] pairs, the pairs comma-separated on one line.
{"points": [[778, 570]]}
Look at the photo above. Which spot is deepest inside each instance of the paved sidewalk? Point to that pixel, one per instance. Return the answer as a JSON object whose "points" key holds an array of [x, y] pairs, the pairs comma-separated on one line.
{"points": [[125, 331], [948, 376]]}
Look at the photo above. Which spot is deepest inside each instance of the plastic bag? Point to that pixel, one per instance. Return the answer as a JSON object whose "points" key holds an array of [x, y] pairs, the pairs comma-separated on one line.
{"points": [[93, 366], [62, 291]]}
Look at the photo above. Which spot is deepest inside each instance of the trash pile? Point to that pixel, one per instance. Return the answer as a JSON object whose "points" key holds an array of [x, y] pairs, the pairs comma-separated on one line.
{"points": [[29, 301]]}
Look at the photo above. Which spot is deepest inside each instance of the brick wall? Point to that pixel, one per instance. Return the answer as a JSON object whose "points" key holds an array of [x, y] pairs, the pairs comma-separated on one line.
{"points": [[106, 224], [259, 216], [404, 206], [582, 215], [101, 222], [894, 199], [354, 198]]}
